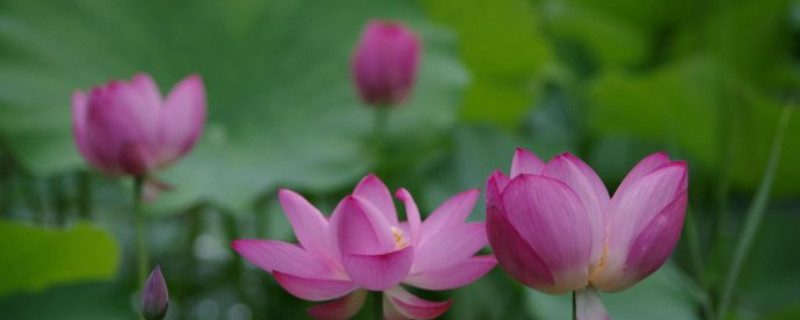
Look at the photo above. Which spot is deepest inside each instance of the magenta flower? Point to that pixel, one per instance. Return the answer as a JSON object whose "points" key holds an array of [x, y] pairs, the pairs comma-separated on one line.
{"points": [[385, 63], [554, 227], [129, 128], [363, 246]]}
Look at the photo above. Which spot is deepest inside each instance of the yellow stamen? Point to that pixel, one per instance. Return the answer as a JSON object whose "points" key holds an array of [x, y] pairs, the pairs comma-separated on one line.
{"points": [[399, 240]]}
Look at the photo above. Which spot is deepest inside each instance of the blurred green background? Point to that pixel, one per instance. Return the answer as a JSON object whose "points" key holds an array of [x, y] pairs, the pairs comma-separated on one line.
{"points": [[610, 81]]}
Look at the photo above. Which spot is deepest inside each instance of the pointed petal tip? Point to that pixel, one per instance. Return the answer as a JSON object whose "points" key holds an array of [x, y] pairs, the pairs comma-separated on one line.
{"points": [[402, 193]]}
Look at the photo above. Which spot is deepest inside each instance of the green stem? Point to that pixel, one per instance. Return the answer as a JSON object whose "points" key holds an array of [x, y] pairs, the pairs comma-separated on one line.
{"points": [[379, 131], [84, 196], [377, 304], [693, 238], [141, 229], [574, 307], [755, 215]]}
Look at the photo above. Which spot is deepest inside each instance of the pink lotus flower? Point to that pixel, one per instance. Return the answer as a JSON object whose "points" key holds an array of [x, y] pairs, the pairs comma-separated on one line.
{"points": [[363, 246], [129, 128], [385, 63], [554, 227]]}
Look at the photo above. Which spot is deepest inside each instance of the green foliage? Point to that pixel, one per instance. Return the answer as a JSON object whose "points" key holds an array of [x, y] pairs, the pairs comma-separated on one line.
{"points": [[677, 105], [36, 258], [73, 302], [282, 109], [503, 48], [665, 295]]}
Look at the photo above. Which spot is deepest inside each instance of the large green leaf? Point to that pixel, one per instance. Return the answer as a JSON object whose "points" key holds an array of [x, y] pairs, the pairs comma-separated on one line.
{"points": [[89, 301], [680, 104], [282, 109], [504, 48], [35, 258]]}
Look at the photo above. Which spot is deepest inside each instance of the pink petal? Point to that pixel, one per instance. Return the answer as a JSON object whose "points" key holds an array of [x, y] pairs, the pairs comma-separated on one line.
{"points": [[310, 227], [182, 118], [379, 272], [412, 215], [650, 249], [554, 222], [515, 255], [375, 191], [413, 307], [341, 309], [80, 104], [590, 189], [455, 276], [313, 289], [653, 246], [143, 86], [645, 166], [450, 246], [494, 187], [119, 115], [286, 258], [650, 202], [360, 228], [453, 211], [385, 63], [588, 305], [526, 162], [136, 159], [390, 312]]}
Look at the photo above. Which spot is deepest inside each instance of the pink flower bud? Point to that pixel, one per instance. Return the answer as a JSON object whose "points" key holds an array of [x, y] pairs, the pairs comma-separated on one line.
{"points": [[129, 128], [385, 63], [155, 298]]}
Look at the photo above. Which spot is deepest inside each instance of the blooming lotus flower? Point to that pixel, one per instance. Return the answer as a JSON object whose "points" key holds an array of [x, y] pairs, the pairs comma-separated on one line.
{"points": [[554, 228], [129, 128], [363, 246], [385, 63], [154, 298]]}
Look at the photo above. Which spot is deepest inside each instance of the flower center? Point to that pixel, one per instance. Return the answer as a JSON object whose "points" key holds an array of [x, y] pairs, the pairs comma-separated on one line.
{"points": [[399, 238]]}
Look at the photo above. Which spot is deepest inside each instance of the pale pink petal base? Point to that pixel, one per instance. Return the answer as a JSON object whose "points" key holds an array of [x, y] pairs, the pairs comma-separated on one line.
{"points": [[341, 309], [412, 306], [588, 305]]}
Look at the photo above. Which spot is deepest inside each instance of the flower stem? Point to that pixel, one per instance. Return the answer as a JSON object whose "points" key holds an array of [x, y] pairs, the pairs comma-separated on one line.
{"points": [[379, 131], [574, 307], [377, 305], [755, 215], [141, 230], [84, 186]]}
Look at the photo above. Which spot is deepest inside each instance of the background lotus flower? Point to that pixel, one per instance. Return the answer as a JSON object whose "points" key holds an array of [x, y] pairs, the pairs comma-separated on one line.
{"points": [[129, 128], [385, 63], [363, 246], [155, 297], [554, 227]]}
